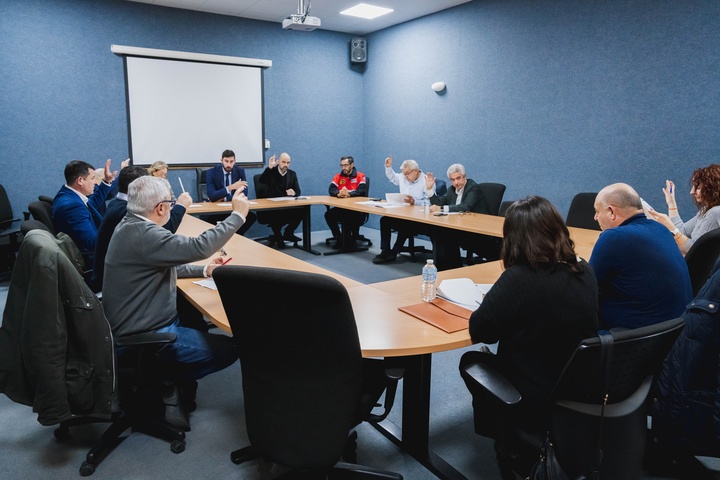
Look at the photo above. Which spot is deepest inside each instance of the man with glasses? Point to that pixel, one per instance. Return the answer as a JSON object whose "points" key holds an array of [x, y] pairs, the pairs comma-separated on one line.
{"points": [[116, 211], [412, 184], [346, 184], [142, 265], [79, 205]]}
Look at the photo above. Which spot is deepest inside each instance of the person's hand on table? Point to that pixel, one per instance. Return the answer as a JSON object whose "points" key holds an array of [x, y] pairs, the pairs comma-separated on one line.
{"points": [[216, 262]]}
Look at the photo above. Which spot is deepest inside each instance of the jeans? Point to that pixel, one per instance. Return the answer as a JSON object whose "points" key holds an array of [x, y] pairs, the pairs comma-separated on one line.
{"points": [[195, 354]]}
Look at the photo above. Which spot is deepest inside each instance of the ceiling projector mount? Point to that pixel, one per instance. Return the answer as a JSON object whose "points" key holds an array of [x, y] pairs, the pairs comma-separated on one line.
{"points": [[301, 20]]}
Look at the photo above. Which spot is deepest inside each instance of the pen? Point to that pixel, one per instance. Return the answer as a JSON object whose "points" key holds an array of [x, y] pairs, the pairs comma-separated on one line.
{"points": [[226, 261], [181, 185]]}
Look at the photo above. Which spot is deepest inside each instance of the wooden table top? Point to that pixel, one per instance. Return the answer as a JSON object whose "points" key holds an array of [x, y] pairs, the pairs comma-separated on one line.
{"points": [[383, 329]]}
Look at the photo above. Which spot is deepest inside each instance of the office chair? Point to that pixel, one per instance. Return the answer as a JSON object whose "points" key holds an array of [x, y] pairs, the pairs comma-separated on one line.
{"points": [[29, 225], [46, 199], [576, 405], [504, 206], [351, 237], [702, 257], [59, 315], [201, 183], [8, 229], [302, 369], [485, 248], [440, 190], [582, 211], [42, 212]]}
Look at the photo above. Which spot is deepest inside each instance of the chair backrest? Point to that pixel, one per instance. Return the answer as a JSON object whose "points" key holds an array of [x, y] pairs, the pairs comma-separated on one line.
{"points": [[493, 193], [582, 211], [702, 257], [504, 206], [42, 212], [6, 213], [201, 182], [301, 362], [260, 188], [29, 225], [46, 199], [636, 354], [440, 187]]}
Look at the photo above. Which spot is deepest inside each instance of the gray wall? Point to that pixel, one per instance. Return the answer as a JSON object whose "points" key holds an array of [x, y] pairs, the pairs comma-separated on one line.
{"points": [[550, 98]]}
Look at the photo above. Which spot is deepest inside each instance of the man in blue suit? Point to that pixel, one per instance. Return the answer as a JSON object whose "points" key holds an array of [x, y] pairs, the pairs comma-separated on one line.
{"points": [[77, 207], [222, 181]]}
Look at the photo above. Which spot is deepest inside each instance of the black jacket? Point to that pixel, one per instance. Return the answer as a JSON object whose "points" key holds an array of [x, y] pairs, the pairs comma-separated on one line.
{"points": [[686, 408], [56, 347]]}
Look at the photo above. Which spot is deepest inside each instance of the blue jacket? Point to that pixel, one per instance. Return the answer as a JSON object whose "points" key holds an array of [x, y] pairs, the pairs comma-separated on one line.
{"points": [[215, 180], [71, 216], [642, 276], [686, 408]]}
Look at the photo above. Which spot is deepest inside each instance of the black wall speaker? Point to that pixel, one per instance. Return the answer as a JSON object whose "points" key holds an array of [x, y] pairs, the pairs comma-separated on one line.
{"points": [[358, 50]]}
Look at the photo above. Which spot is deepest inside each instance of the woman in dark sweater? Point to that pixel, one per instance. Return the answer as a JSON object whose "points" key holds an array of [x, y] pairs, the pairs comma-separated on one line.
{"points": [[541, 307]]}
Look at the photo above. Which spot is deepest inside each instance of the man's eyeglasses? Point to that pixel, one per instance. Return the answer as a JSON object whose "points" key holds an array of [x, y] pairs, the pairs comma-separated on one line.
{"points": [[171, 202]]}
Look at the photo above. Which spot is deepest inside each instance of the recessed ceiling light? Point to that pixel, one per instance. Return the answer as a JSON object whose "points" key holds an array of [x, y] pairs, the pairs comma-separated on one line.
{"points": [[363, 10]]}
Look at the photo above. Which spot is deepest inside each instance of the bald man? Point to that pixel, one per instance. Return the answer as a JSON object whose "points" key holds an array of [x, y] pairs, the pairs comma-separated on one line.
{"points": [[642, 276], [279, 181]]}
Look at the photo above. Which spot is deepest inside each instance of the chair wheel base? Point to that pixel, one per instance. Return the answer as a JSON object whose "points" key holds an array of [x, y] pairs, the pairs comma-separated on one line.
{"points": [[177, 446], [86, 469]]}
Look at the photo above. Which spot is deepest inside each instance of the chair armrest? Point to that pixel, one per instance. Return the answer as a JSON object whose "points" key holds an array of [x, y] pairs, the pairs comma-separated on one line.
{"points": [[494, 382], [149, 338]]}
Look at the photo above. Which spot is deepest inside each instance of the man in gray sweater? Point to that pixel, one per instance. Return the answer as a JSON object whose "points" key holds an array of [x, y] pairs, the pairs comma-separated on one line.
{"points": [[141, 269]]}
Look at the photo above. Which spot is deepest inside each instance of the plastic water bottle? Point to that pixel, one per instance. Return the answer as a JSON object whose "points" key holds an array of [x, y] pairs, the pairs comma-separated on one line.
{"points": [[429, 279]]}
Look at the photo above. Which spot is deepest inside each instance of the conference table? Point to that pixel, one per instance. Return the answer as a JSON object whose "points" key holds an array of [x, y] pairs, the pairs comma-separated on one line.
{"points": [[384, 330]]}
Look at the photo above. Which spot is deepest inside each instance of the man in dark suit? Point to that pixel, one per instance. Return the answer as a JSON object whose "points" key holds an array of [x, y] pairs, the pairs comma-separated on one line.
{"points": [[77, 208], [463, 196], [116, 211], [222, 181], [277, 180]]}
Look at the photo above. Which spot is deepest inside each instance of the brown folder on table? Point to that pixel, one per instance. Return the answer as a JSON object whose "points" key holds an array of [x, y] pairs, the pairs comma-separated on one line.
{"points": [[440, 313]]}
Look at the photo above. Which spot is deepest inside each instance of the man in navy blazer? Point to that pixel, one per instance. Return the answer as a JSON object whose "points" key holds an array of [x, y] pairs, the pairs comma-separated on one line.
{"points": [[222, 181], [77, 207]]}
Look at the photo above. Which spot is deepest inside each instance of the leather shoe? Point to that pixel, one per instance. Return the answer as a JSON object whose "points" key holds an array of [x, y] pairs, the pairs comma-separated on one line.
{"points": [[290, 237], [384, 257]]}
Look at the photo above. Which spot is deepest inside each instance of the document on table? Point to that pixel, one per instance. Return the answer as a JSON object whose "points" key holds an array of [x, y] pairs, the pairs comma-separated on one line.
{"points": [[229, 204], [207, 283], [463, 292], [374, 203], [280, 199]]}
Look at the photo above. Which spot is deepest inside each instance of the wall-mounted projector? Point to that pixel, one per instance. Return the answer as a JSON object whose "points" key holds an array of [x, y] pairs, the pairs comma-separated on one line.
{"points": [[305, 23]]}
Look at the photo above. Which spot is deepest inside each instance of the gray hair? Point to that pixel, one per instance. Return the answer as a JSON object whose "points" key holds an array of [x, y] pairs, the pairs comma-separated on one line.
{"points": [[454, 168], [410, 165], [145, 193]]}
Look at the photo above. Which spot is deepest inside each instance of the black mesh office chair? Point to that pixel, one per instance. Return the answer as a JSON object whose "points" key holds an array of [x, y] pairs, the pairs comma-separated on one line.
{"points": [[702, 257], [582, 211], [483, 248], [576, 405], [302, 374], [440, 190], [201, 183]]}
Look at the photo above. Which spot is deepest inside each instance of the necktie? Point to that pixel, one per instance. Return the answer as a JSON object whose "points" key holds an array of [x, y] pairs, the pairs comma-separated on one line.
{"points": [[227, 179]]}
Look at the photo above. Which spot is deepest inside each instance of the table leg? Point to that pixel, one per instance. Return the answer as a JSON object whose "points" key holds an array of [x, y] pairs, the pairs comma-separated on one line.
{"points": [[307, 231], [414, 434]]}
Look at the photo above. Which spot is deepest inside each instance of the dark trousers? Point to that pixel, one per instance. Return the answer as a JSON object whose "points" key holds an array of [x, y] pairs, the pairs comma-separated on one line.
{"points": [[276, 219], [350, 219], [219, 217], [405, 229]]}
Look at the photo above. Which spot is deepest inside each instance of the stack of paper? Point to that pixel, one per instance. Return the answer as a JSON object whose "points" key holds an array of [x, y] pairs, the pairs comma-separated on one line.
{"points": [[463, 292]]}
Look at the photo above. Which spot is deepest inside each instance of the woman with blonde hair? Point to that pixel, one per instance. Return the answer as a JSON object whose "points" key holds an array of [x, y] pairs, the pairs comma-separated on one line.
{"points": [[159, 169]]}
